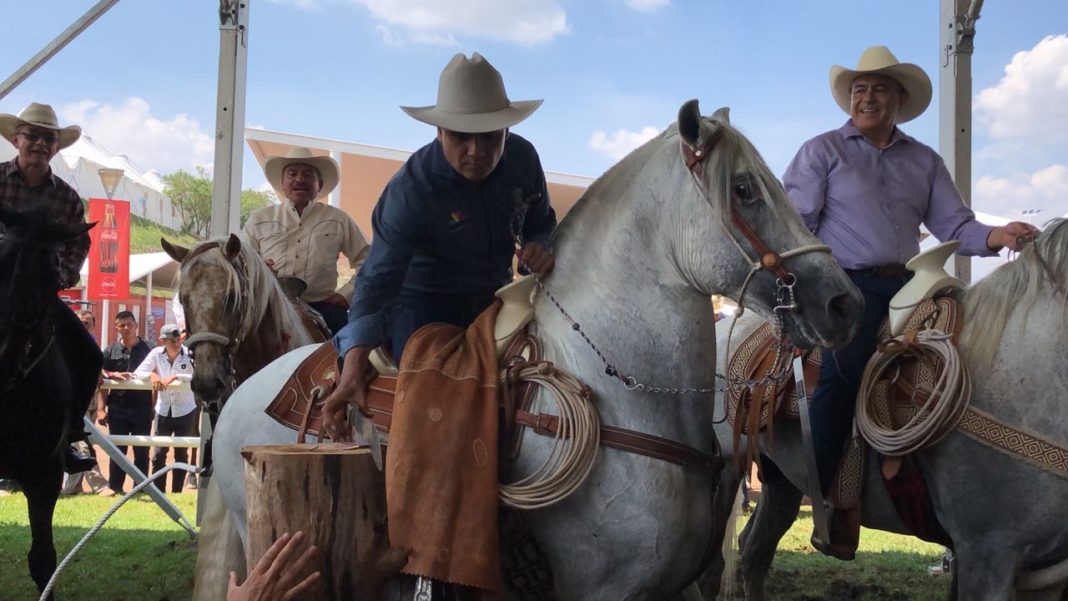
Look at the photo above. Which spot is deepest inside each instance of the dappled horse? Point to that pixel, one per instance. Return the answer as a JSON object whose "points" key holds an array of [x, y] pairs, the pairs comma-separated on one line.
{"points": [[683, 217], [34, 386], [1008, 518]]}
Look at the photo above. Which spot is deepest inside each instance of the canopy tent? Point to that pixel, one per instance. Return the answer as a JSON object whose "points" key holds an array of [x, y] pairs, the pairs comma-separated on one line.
{"points": [[148, 269], [79, 166]]}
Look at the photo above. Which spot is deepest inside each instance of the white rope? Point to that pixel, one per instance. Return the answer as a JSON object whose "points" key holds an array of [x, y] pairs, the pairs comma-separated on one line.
{"points": [[100, 523], [575, 446], [948, 398]]}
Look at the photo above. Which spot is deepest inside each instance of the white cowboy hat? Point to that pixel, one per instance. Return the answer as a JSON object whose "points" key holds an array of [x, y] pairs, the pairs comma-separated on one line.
{"points": [[39, 115], [879, 60], [327, 167], [471, 99]]}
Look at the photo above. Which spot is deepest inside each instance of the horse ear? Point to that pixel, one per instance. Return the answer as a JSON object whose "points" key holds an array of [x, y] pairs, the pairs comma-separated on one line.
{"points": [[690, 122], [178, 253], [233, 247], [723, 115]]}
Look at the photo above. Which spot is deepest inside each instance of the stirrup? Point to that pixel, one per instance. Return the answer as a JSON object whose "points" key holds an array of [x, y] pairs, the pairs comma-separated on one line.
{"points": [[424, 589]]}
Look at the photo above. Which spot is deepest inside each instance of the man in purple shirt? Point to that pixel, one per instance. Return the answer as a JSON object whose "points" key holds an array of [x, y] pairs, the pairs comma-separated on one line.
{"points": [[864, 189]]}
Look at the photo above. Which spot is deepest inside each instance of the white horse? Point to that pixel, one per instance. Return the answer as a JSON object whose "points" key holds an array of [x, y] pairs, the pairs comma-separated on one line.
{"points": [[1007, 518], [637, 260]]}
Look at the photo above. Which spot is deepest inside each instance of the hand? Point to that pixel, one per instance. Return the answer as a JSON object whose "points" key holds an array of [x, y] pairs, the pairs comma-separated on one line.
{"points": [[102, 416], [275, 578], [536, 257], [120, 376], [1012, 235], [336, 300], [270, 265], [335, 413], [169, 380], [157, 384]]}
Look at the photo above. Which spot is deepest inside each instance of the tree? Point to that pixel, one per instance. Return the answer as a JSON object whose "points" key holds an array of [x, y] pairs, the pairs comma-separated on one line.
{"points": [[191, 195], [253, 200]]}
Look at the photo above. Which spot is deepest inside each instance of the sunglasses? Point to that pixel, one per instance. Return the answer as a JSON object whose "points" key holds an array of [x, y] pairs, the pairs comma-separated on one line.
{"points": [[33, 136]]}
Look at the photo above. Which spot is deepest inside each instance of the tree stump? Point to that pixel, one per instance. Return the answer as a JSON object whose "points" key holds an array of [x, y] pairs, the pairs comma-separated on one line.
{"points": [[337, 497]]}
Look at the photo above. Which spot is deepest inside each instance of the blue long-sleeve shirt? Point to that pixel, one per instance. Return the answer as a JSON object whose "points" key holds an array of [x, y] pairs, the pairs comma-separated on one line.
{"points": [[440, 238]]}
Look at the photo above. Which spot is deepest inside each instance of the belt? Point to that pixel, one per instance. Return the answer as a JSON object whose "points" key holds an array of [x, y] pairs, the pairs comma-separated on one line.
{"points": [[893, 270]]}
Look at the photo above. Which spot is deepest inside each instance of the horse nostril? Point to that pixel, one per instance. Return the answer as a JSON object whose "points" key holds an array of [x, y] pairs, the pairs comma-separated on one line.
{"points": [[847, 306]]}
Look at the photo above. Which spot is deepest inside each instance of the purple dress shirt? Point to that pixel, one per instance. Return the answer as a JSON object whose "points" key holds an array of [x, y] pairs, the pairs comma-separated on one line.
{"points": [[867, 204]]}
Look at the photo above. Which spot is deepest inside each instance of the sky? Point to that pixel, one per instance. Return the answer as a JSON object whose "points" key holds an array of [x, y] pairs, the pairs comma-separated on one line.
{"points": [[142, 80]]}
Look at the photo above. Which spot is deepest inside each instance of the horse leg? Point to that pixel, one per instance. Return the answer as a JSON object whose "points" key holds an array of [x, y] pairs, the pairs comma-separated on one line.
{"points": [[985, 575], [41, 498], [723, 505], [219, 548], [776, 511]]}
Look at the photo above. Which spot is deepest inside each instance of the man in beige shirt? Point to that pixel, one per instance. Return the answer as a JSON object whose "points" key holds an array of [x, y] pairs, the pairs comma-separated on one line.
{"points": [[302, 237]]}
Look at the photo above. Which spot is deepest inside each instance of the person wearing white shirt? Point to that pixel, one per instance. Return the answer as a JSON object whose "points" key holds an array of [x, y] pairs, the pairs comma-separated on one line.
{"points": [[176, 413]]}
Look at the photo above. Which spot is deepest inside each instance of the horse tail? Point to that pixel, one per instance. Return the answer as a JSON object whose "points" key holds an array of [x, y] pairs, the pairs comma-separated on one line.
{"points": [[219, 548]]}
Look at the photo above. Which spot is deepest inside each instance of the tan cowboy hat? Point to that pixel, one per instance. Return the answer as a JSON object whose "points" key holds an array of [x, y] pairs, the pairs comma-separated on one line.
{"points": [[327, 167], [879, 60], [39, 115], [471, 99]]}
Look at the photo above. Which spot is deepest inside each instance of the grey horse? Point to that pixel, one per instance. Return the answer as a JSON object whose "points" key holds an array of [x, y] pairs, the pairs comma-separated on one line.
{"points": [[637, 260], [1007, 518]]}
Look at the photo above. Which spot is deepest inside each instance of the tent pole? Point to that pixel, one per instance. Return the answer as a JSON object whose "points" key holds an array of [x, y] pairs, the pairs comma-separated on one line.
{"points": [[55, 46], [230, 116]]}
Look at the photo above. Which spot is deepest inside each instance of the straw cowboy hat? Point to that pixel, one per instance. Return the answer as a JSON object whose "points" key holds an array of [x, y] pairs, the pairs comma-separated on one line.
{"points": [[879, 60], [327, 167], [471, 99], [39, 115]]}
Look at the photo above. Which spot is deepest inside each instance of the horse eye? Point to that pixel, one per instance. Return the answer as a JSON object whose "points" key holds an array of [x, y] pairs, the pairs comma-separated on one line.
{"points": [[743, 190]]}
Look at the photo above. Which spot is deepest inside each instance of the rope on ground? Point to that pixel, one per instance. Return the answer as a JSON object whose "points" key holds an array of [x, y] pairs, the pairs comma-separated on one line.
{"points": [[947, 400], [100, 523], [568, 463]]}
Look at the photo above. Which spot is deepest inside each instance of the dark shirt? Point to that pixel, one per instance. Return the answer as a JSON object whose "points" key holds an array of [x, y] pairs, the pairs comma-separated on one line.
{"points": [[60, 201], [118, 358], [440, 238]]}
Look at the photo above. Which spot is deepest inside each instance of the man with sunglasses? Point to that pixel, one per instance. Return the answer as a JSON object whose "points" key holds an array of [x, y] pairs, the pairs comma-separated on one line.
{"points": [[27, 183]]}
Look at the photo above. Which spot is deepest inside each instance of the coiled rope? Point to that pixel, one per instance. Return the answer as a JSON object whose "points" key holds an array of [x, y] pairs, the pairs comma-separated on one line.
{"points": [[570, 461], [947, 400]]}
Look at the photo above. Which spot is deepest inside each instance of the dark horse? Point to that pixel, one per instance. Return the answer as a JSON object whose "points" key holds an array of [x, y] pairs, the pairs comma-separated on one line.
{"points": [[34, 382]]}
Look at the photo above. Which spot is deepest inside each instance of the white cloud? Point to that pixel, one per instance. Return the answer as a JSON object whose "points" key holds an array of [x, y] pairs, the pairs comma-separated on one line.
{"points": [[1031, 100], [163, 144], [1045, 189], [523, 22], [302, 4], [619, 143], [647, 5]]}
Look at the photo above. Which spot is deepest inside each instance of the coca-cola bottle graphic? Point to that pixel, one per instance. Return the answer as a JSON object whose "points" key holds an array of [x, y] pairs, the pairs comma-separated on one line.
{"points": [[109, 241]]}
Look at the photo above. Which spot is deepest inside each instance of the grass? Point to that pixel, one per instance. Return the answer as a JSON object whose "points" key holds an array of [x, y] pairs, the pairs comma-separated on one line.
{"points": [[145, 235], [141, 555]]}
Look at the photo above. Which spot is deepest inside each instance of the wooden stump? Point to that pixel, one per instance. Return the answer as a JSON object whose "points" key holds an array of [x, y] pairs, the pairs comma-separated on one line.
{"points": [[337, 497]]}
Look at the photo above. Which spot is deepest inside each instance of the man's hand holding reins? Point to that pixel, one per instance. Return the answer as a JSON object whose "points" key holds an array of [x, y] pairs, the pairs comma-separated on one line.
{"points": [[1013, 235], [536, 258]]}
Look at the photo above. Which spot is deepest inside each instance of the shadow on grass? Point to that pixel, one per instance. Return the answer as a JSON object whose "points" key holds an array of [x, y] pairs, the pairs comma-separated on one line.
{"points": [[878, 576], [115, 565]]}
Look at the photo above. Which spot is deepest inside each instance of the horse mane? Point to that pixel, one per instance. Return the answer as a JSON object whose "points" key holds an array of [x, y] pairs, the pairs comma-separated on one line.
{"points": [[1015, 286], [263, 298], [731, 151]]}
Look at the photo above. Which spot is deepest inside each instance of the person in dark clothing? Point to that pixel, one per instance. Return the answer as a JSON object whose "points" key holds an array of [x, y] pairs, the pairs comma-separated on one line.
{"points": [[125, 411], [27, 183]]}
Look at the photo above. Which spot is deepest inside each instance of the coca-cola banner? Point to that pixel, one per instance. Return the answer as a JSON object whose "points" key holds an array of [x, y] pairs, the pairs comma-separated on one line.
{"points": [[109, 254]]}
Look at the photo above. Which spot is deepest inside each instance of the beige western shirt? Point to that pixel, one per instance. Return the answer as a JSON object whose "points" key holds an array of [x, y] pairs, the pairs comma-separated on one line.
{"points": [[306, 246]]}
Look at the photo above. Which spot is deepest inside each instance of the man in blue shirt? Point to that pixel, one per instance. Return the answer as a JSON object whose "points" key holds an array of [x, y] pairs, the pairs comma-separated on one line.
{"points": [[447, 225]]}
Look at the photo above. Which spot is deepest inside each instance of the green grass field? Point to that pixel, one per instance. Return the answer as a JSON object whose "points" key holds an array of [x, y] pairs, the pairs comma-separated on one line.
{"points": [[141, 555]]}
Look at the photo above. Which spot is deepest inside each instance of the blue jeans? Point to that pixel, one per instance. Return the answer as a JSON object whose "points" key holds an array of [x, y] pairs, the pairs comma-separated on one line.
{"points": [[834, 399], [335, 316], [408, 315]]}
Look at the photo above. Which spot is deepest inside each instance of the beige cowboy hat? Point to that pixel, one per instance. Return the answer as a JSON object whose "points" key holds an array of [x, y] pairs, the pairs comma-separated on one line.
{"points": [[879, 60], [471, 99], [327, 167], [39, 115]]}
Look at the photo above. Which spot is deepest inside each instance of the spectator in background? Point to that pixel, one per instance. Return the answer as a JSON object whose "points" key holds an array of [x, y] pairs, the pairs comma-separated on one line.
{"points": [[175, 409], [89, 321], [125, 411]]}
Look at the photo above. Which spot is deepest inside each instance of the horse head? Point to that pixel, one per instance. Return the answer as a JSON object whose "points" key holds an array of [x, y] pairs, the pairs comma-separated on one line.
{"points": [[214, 290], [737, 234], [29, 274]]}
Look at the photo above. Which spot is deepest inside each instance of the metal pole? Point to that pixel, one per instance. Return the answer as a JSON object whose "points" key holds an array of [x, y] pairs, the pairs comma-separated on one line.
{"points": [[957, 24], [55, 46], [230, 116]]}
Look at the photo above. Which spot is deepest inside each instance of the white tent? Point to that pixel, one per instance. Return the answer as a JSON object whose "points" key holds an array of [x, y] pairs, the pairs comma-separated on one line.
{"points": [[78, 165], [981, 266]]}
